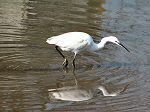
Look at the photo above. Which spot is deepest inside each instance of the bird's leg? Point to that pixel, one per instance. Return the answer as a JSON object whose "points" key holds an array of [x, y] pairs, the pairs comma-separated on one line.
{"points": [[59, 52], [73, 62], [65, 63]]}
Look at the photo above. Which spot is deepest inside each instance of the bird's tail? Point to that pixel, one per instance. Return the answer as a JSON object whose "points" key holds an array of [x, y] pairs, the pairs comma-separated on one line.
{"points": [[51, 40]]}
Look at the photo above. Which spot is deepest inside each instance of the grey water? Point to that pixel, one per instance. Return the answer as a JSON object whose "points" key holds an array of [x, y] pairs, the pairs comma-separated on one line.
{"points": [[29, 67]]}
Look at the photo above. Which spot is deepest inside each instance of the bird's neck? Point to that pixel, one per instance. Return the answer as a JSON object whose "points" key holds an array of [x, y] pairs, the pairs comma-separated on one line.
{"points": [[104, 91], [98, 46]]}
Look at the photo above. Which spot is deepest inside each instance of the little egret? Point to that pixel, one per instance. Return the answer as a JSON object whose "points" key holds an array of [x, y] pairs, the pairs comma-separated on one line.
{"points": [[79, 41]]}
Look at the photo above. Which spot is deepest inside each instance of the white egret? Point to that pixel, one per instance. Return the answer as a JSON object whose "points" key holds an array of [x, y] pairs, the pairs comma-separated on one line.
{"points": [[79, 41]]}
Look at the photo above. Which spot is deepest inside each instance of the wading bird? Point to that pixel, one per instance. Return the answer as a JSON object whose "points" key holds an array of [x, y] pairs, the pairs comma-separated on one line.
{"points": [[79, 41]]}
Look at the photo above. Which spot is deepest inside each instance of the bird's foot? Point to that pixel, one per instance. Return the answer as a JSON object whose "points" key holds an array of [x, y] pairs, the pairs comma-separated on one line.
{"points": [[65, 64], [73, 67], [65, 69]]}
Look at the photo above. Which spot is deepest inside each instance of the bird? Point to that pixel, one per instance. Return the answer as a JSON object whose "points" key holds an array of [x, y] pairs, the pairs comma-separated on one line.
{"points": [[77, 42]]}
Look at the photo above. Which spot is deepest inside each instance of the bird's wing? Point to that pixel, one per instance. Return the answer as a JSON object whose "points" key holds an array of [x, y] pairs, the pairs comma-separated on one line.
{"points": [[71, 41], [70, 44]]}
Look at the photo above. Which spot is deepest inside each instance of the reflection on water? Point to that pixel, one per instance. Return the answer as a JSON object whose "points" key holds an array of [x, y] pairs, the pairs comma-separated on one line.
{"points": [[70, 93], [29, 66], [80, 92]]}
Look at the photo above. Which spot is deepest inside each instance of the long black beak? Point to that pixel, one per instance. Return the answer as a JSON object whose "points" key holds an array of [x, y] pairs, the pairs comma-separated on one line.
{"points": [[123, 46]]}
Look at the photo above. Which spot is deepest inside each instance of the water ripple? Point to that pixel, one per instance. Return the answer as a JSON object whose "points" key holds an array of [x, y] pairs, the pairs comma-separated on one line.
{"points": [[29, 66]]}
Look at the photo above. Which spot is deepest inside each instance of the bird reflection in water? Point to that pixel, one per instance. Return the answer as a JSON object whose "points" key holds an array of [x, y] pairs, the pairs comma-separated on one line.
{"points": [[81, 91]]}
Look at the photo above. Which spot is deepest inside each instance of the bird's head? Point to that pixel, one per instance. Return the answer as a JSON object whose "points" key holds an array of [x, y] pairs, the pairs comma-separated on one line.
{"points": [[114, 40]]}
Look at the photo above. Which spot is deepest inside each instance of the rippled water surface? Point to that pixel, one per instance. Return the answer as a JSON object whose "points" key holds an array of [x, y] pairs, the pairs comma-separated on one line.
{"points": [[31, 76]]}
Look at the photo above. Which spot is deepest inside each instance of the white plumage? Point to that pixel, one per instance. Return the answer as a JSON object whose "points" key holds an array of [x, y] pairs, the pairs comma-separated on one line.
{"points": [[72, 41], [78, 41]]}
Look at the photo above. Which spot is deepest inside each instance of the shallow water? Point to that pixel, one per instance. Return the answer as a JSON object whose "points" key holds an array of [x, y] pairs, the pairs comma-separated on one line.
{"points": [[29, 67]]}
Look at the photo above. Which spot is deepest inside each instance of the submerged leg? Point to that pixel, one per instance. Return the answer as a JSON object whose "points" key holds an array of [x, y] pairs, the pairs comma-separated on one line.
{"points": [[75, 78], [73, 62], [65, 63]]}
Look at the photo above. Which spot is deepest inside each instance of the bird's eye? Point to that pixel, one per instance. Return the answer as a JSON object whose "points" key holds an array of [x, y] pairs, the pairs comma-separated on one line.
{"points": [[116, 41]]}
